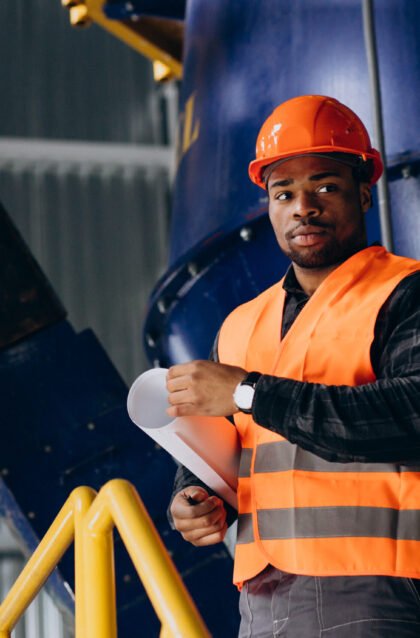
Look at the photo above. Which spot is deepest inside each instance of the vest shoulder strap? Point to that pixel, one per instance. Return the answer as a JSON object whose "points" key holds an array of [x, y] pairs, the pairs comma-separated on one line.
{"points": [[239, 324]]}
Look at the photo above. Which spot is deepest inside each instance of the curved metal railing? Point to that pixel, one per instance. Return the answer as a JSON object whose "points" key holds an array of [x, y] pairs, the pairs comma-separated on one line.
{"points": [[88, 518]]}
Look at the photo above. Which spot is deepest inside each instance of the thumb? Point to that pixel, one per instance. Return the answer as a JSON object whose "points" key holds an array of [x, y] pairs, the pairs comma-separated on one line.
{"points": [[199, 494]]}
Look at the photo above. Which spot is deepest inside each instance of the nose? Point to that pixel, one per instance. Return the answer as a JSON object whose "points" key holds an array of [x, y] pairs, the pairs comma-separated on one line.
{"points": [[306, 205]]}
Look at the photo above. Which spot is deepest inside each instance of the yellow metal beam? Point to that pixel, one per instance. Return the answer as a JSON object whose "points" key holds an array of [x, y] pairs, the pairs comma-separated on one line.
{"points": [[84, 11]]}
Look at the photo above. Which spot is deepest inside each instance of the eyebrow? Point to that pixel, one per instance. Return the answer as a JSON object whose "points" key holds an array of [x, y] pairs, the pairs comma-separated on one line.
{"points": [[313, 178]]}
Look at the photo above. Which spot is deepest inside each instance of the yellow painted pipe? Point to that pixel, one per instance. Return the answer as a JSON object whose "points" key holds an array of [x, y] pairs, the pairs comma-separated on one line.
{"points": [[43, 561], [82, 502], [100, 619], [166, 591]]}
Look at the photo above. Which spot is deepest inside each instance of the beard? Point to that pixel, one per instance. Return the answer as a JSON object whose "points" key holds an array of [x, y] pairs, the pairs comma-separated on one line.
{"points": [[332, 252]]}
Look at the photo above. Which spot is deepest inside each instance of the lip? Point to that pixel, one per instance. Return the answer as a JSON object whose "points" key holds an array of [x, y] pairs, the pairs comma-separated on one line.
{"points": [[309, 236], [308, 230]]}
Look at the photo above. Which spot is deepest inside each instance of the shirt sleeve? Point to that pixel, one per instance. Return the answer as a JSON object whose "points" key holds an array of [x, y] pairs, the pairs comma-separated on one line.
{"points": [[375, 422]]}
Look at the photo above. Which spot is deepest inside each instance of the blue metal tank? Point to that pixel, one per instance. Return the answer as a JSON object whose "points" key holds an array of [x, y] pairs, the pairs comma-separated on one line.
{"points": [[242, 58]]}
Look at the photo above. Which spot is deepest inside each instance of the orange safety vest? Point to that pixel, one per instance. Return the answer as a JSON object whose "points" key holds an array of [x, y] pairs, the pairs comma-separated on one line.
{"points": [[298, 512]]}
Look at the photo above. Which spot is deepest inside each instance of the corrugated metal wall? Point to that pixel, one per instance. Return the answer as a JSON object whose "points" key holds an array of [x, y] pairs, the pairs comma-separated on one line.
{"points": [[101, 237], [42, 618], [60, 82], [99, 232]]}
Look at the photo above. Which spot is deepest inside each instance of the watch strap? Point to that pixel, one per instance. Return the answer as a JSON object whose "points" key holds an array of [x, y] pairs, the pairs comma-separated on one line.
{"points": [[250, 380]]}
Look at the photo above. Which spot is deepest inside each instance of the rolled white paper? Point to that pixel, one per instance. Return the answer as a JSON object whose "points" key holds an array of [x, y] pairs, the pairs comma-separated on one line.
{"points": [[207, 446]]}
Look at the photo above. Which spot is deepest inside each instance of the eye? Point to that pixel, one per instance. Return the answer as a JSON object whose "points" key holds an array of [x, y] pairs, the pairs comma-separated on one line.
{"points": [[327, 188], [282, 196]]}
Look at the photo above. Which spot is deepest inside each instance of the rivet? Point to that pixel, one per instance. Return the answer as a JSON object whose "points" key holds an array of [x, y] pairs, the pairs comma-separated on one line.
{"points": [[31, 515], [192, 269], [406, 172], [150, 341], [91, 426], [161, 306], [245, 233], [5, 471], [127, 578], [47, 449]]}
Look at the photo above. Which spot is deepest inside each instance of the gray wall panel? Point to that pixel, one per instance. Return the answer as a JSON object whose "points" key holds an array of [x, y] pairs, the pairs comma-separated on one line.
{"points": [[61, 82]]}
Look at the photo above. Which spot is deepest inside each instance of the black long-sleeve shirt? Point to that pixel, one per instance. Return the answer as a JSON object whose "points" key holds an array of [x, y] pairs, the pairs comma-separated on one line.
{"points": [[376, 422]]}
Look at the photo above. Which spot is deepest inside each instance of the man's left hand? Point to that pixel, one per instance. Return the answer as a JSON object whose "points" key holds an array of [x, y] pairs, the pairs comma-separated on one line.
{"points": [[202, 388]]}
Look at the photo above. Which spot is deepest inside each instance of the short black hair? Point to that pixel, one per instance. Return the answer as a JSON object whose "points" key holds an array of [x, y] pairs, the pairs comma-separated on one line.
{"points": [[362, 169], [364, 172]]}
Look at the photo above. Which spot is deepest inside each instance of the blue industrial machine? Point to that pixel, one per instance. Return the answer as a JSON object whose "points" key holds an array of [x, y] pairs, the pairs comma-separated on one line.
{"points": [[241, 59]]}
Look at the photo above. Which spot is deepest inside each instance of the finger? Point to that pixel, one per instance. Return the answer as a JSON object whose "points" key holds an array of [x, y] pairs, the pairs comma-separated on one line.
{"points": [[195, 492], [200, 528], [179, 370], [181, 504], [178, 398], [208, 522], [178, 383], [186, 409], [184, 510], [210, 539]]}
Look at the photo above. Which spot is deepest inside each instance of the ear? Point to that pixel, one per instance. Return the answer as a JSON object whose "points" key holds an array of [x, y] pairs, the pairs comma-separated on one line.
{"points": [[365, 196]]}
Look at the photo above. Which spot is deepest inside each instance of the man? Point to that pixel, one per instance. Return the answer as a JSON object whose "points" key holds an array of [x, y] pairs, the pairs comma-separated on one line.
{"points": [[322, 375]]}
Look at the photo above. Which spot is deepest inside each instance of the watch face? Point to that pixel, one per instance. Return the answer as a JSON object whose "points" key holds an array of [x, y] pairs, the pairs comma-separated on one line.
{"points": [[243, 397]]}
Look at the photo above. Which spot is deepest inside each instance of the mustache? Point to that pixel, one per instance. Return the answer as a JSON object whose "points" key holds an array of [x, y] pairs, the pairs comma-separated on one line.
{"points": [[313, 223]]}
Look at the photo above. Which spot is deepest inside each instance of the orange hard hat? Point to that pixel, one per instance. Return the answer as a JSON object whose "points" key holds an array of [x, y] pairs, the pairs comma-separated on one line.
{"points": [[312, 124]]}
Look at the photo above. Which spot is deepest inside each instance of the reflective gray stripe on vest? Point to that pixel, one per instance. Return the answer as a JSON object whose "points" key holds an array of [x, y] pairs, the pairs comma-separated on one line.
{"points": [[245, 531], [245, 463], [283, 456], [332, 522]]}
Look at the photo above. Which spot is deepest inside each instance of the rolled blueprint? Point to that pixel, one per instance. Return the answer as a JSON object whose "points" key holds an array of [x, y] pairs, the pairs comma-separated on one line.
{"points": [[207, 446]]}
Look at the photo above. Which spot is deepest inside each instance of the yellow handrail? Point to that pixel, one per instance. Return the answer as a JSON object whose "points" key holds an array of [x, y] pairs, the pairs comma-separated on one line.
{"points": [[66, 527], [89, 519]]}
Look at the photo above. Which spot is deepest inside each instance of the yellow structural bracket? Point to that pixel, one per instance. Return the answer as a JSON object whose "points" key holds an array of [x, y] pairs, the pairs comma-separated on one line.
{"points": [[159, 40], [89, 519]]}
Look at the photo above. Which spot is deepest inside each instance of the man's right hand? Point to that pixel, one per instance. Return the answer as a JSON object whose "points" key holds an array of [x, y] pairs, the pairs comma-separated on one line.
{"points": [[200, 524]]}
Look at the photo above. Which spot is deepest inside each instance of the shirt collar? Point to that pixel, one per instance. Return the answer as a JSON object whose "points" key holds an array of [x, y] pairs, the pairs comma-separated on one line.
{"points": [[291, 284]]}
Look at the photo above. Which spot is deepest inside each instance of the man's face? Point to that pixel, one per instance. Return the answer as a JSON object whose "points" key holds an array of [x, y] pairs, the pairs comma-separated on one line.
{"points": [[317, 211]]}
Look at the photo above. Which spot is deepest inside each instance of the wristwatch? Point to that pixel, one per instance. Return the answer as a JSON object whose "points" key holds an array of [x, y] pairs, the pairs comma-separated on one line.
{"points": [[244, 392]]}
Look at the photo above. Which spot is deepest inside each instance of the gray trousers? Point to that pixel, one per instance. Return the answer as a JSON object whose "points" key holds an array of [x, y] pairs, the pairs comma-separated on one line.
{"points": [[279, 605]]}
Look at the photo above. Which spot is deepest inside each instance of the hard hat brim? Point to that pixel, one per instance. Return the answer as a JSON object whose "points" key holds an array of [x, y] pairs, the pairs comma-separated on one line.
{"points": [[256, 167]]}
